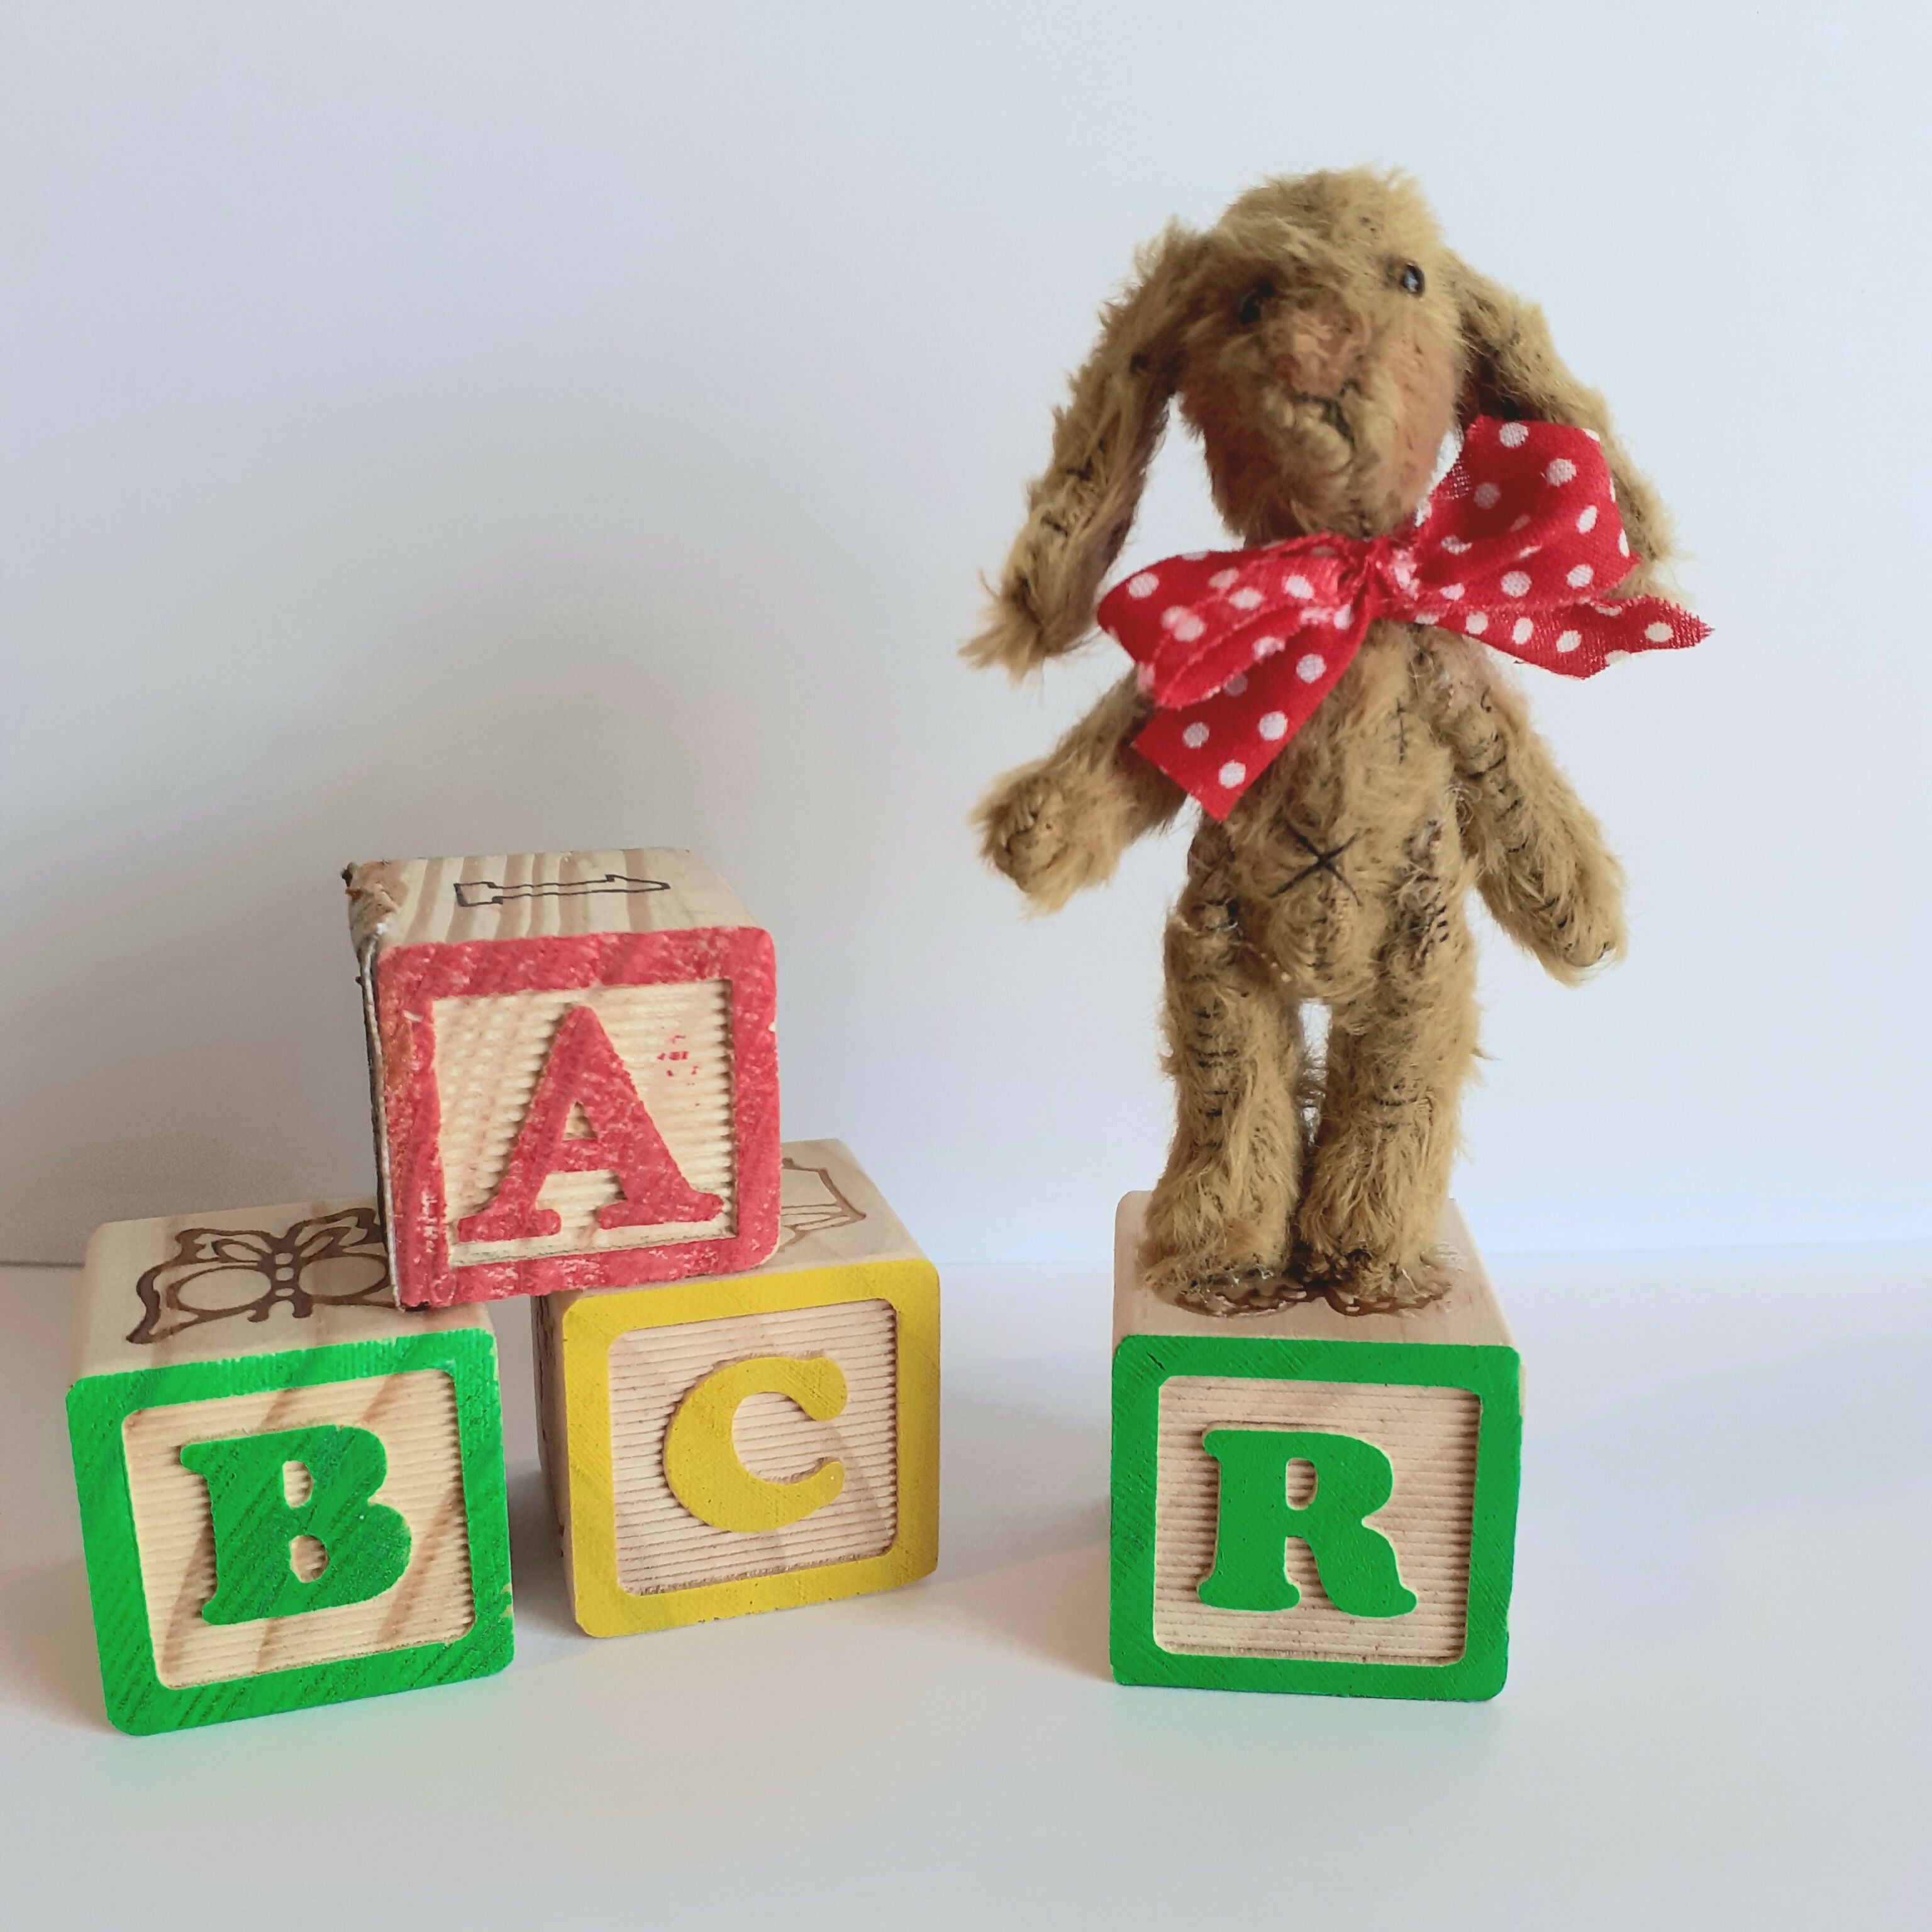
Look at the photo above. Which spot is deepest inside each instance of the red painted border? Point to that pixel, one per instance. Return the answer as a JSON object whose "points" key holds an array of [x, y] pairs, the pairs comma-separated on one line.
{"points": [[410, 979]]}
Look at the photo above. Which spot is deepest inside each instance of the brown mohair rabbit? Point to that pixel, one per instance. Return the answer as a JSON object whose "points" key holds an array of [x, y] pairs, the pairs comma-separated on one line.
{"points": [[1322, 342]]}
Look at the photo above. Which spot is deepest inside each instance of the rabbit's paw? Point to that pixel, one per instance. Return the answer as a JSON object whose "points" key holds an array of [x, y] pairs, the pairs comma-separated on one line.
{"points": [[1027, 834]]}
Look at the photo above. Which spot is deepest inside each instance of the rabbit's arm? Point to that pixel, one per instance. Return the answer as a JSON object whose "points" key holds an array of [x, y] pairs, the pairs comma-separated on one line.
{"points": [[1063, 822], [1543, 870]]}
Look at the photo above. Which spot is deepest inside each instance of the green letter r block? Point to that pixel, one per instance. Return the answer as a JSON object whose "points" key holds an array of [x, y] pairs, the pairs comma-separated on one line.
{"points": [[1242, 1625]]}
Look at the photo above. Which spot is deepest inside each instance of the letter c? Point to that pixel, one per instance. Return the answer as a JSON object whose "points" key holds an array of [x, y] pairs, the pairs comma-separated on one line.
{"points": [[700, 1459]]}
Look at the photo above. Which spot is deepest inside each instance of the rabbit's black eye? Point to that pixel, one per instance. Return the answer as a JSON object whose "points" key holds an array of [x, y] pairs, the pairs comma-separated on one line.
{"points": [[1411, 279], [1253, 302]]}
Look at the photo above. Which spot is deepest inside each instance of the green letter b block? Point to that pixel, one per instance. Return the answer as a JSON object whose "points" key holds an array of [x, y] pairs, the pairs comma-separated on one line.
{"points": [[1353, 1479], [366, 1544]]}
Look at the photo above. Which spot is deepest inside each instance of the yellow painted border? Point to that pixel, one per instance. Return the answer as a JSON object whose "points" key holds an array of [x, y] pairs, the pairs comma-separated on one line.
{"points": [[593, 1323]]}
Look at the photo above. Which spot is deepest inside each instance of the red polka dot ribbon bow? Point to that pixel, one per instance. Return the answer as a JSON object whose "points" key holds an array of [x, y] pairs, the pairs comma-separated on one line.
{"points": [[1237, 648]]}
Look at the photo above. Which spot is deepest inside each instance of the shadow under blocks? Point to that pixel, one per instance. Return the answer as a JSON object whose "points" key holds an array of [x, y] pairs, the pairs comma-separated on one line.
{"points": [[1306, 1501]]}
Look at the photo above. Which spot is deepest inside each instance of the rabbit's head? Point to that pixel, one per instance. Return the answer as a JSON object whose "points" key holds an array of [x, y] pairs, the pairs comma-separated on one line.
{"points": [[1322, 342], [1322, 356]]}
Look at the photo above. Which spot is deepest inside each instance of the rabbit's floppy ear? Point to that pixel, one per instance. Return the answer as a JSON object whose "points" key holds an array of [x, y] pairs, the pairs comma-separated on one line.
{"points": [[1079, 513], [1516, 373]]}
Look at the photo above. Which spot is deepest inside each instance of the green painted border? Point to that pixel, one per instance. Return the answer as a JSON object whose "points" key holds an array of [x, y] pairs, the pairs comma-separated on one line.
{"points": [[1142, 1363], [97, 1405]]}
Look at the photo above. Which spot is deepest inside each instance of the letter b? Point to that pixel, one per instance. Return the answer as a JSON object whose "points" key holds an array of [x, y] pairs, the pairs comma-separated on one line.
{"points": [[367, 1543]]}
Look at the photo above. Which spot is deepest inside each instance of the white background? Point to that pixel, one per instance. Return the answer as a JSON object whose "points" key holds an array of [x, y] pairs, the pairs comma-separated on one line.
{"points": [[440, 429]]}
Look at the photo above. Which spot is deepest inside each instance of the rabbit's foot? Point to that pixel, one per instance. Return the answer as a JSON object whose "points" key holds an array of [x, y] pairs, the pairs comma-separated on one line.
{"points": [[1248, 1291], [1362, 1283], [1210, 1285]]}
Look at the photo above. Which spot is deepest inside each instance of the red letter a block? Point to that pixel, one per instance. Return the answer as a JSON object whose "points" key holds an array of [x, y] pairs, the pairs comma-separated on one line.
{"points": [[575, 1078]]}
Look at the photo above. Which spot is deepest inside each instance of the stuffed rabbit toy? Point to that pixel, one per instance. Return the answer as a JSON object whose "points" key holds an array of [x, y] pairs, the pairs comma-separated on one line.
{"points": [[1324, 346]]}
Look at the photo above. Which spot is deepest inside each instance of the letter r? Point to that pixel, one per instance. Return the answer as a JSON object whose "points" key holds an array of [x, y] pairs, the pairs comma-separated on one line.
{"points": [[1353, 1479]]}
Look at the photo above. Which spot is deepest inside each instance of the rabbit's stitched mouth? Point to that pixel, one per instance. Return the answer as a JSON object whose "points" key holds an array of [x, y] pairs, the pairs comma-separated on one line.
{"points": [[1329, 409]]}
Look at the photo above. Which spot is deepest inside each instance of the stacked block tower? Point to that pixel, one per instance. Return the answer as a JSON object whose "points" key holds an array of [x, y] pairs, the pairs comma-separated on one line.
{"points": [[286, 1422]]}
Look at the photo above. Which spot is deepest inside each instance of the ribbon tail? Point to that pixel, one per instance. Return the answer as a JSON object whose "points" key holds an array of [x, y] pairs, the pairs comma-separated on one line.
{"points": [[1216, 749], [1580, 639], [1163, 748]]}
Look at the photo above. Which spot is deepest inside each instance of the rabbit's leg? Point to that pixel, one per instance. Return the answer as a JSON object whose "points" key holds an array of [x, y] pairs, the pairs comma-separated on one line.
{"points": [[1218, 1226], [1397, 1058]]}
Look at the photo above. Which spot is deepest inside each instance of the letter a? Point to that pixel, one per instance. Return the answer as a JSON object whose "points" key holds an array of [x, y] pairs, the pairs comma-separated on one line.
{"points": [[583, 1071], [1353, 1479]]}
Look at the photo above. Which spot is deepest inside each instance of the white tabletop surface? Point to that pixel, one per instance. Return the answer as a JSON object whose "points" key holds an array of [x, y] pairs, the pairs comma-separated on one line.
{"points": [[1717, 1710]]}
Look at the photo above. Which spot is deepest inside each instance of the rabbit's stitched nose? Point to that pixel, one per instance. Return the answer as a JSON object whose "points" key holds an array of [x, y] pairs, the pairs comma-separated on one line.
{"points": [[1317, 355]]}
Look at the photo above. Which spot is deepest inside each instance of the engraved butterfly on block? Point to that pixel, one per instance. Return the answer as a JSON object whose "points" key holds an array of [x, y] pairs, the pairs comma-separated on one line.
{"points": [[336, 1260]]}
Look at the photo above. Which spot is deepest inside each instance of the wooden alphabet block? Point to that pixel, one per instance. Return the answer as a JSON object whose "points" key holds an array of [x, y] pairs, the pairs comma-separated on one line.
{"points": [[1308, 1501], [575, 1076], [291, 1491], [723, 1446]]}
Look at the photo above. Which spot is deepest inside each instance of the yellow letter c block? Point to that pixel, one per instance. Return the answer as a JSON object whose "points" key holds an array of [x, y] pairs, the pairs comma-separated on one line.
{"points": [[700, 1459]]}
